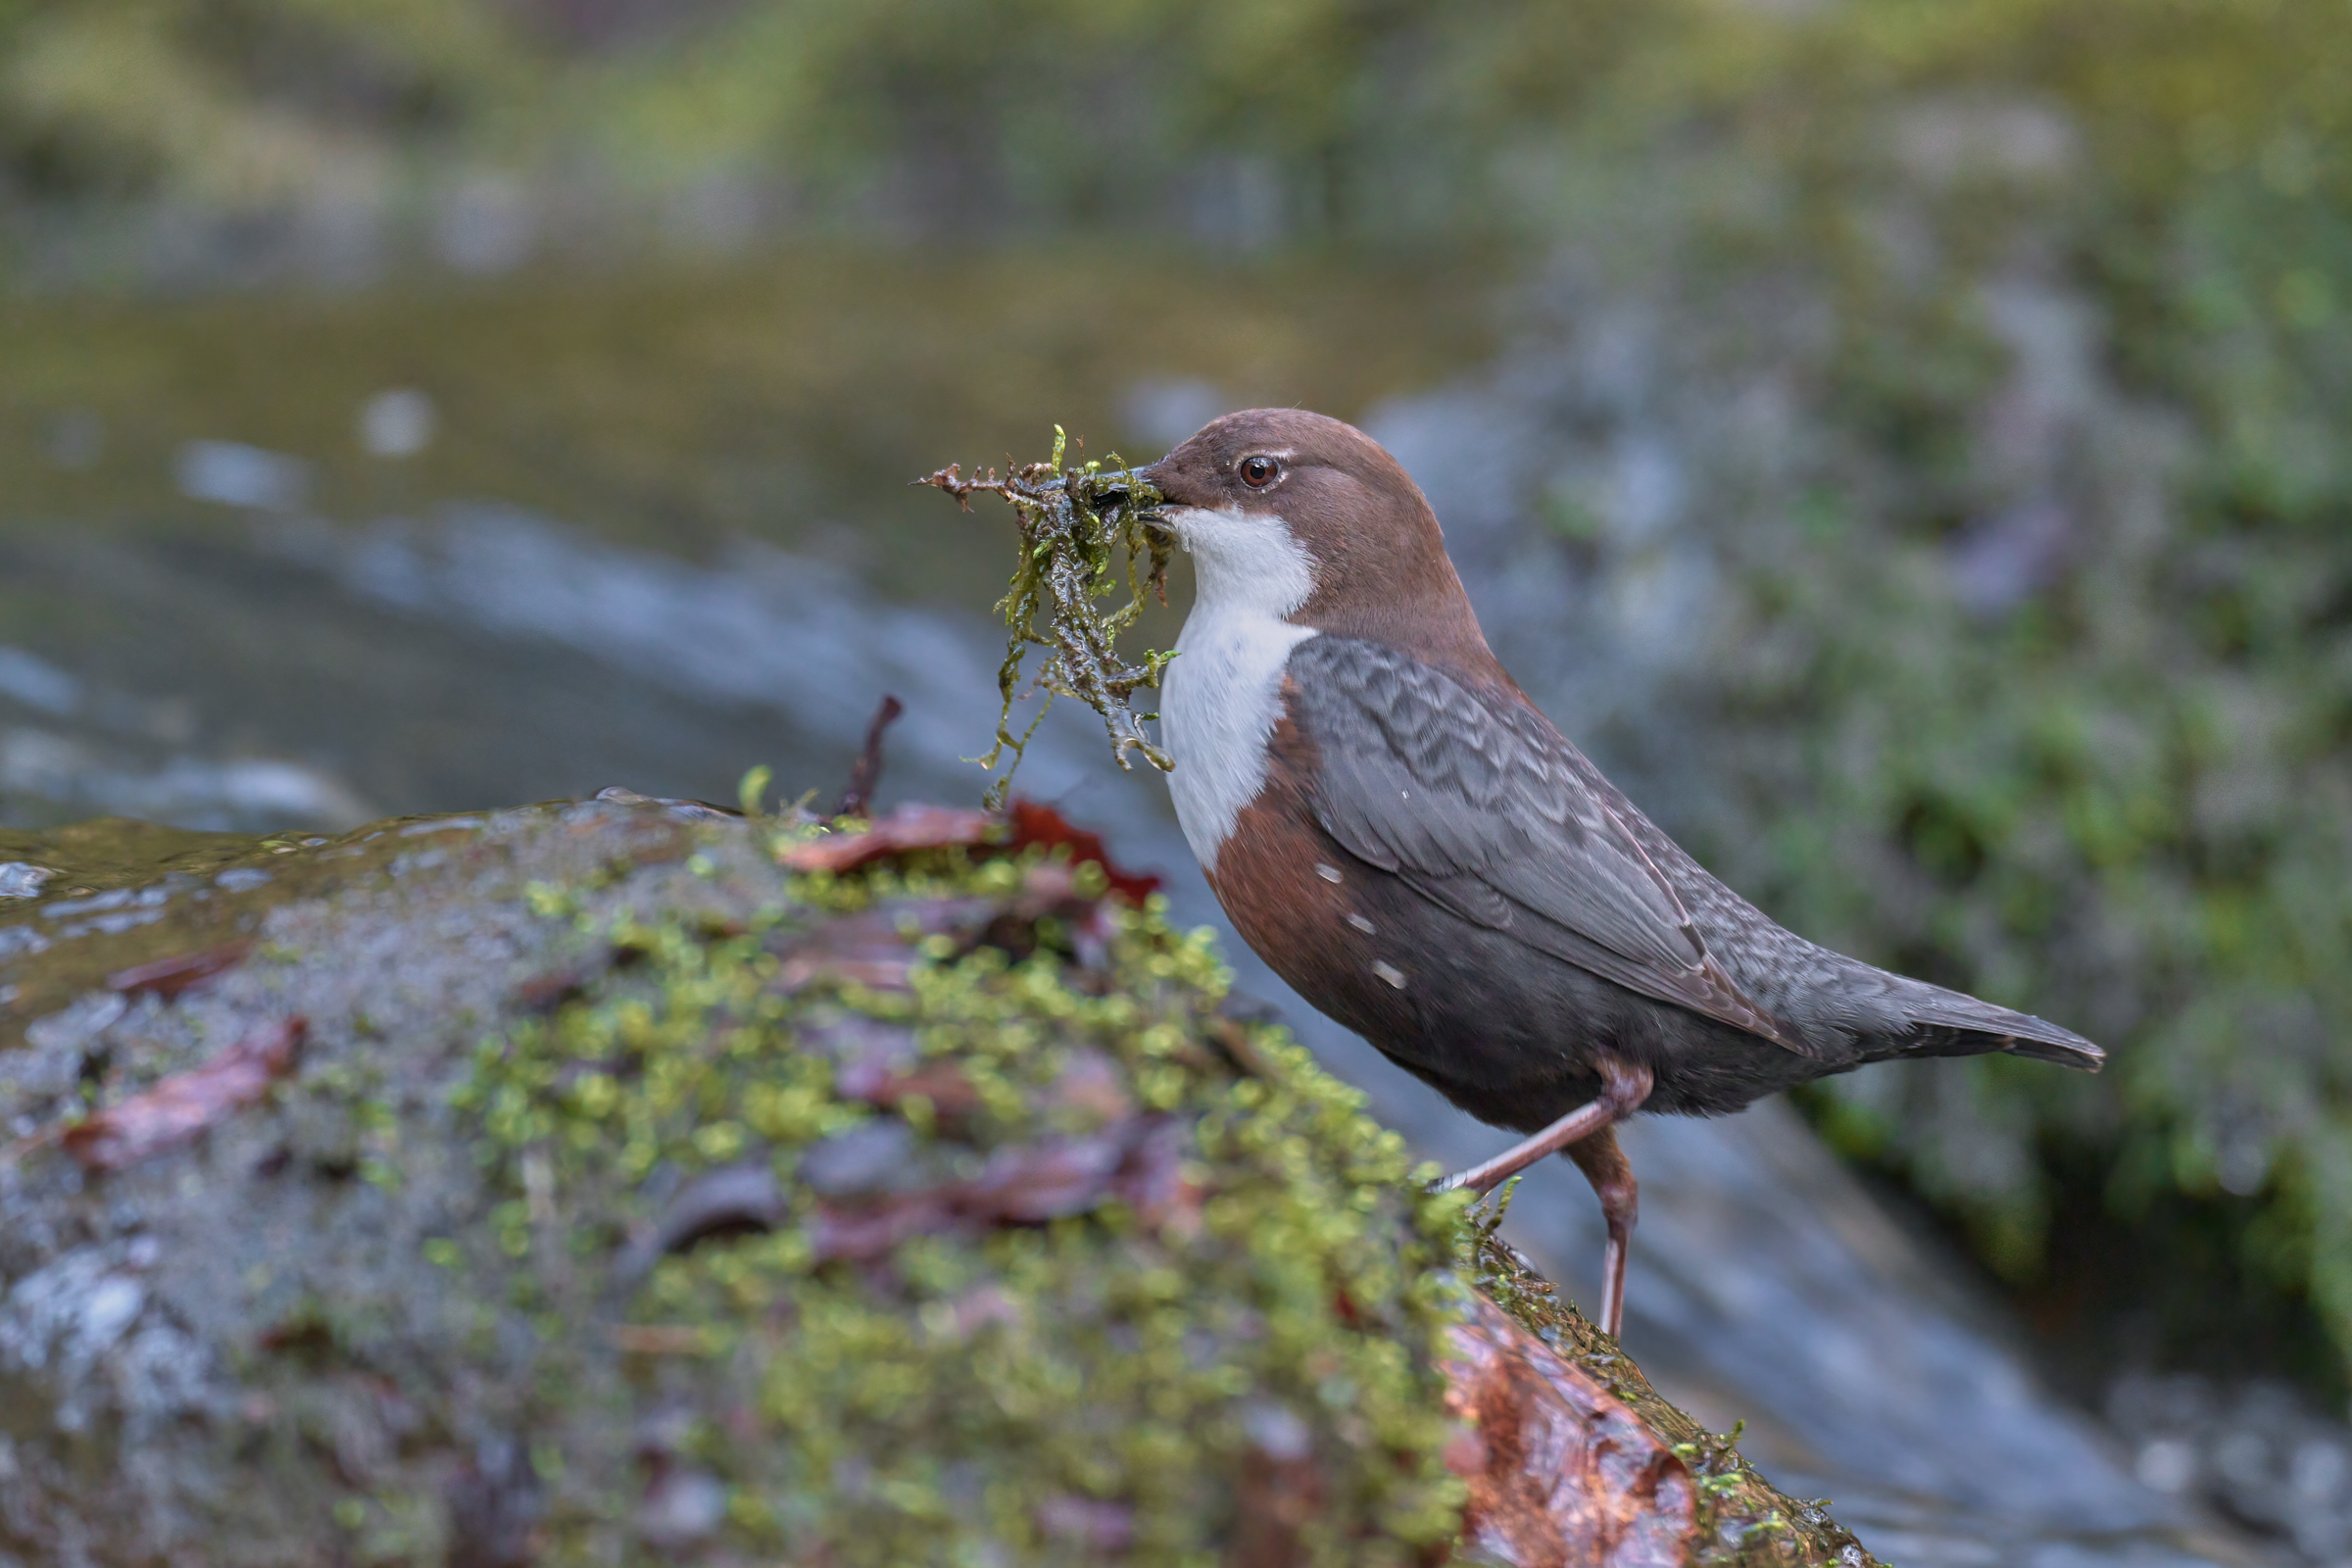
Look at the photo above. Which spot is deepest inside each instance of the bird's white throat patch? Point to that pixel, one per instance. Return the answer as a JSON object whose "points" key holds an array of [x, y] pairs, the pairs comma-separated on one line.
{"points": [[1223, 695]]}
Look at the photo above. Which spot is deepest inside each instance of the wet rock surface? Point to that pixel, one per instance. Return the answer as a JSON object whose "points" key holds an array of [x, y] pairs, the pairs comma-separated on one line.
{"points": [[578, 1183], [1575, 1458], [2256, 1451]]}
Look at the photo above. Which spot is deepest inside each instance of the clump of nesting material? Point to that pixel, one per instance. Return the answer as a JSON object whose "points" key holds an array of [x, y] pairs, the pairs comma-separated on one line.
{"points": [[1080, 525]]}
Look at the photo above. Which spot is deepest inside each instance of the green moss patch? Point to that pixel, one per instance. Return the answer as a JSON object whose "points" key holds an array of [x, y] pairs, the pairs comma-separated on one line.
{"points": [[955, 1225]]}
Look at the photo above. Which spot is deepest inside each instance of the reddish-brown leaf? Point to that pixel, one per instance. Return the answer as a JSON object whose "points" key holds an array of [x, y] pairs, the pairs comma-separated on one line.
{"points": [[179, 1108], [903, 831], [1138, 1162], [911, 828], [1033, 823], [943, 1084], [169, 977], [548, 992]]}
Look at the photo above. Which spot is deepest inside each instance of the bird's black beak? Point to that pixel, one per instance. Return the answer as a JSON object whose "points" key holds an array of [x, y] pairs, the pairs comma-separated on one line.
{"points": [[1153, 502]]}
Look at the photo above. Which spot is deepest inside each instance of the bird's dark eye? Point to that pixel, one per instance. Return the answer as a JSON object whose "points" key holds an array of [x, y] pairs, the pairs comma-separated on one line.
{"points": [[1258, 472]]}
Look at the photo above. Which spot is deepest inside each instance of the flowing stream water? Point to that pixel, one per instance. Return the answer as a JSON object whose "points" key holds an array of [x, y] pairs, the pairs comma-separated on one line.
{"points": [[307, 561]]}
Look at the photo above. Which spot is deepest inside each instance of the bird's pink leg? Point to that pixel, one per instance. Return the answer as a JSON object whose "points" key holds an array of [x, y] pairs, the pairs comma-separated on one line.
{"points": [[1586, 1136], [1623, 1088], [1612, 1177]]}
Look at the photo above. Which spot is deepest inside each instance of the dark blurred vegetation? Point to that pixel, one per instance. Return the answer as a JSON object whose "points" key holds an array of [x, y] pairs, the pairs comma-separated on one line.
{"points": [[2048, 680], [2031, 669]]}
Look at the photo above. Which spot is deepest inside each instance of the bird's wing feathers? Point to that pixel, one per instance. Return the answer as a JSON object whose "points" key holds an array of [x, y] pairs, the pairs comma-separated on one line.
{"points": [[1481, 809]]}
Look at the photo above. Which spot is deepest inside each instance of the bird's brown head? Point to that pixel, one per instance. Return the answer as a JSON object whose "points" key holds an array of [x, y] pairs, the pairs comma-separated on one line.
{"points": [[1311, 519]]}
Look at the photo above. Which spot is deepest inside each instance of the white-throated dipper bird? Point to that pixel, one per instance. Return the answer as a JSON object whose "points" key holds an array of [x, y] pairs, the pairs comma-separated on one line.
{"points": [[1399, 833]]}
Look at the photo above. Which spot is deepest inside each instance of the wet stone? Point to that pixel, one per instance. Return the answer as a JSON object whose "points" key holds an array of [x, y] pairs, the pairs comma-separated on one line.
{"points": [[2256, 1451], [20, 939], [19, 879], [993, 1234]]}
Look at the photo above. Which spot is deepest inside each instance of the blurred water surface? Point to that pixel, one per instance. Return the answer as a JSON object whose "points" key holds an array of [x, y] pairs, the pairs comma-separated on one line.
{"points": [[229, 522]]}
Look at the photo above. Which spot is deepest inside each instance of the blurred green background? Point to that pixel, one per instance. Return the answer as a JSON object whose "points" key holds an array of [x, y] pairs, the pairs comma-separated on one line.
{"points": [[1987, 367]]}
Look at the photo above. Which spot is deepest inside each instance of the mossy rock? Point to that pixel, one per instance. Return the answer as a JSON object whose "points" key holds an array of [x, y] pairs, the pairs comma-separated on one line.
{"points": [[633, 1198]]}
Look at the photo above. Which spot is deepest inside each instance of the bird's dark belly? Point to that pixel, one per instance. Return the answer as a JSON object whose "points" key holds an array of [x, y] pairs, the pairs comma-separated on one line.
{"points": [[1505, 1032]]}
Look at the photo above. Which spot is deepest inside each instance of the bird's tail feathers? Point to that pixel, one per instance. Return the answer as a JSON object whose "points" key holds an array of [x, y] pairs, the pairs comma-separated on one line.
{"points": [[1996, 1028]]}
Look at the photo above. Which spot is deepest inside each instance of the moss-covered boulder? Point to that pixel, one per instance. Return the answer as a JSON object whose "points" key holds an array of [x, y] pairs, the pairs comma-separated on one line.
{"points": [[625, 1180]]}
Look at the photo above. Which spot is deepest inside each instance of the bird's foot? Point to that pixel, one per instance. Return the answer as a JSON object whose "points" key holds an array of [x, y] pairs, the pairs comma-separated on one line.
{"points": [[1586, 1134]]}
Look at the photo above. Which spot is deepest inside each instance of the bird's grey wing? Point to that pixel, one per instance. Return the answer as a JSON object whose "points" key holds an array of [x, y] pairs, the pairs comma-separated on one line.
{"points": [[1478, 808]]}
